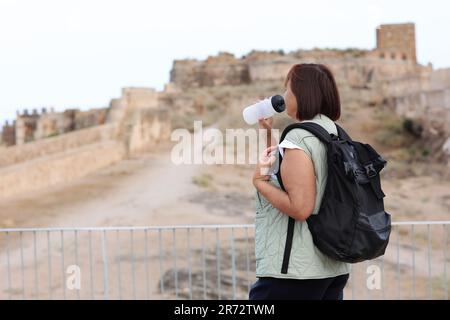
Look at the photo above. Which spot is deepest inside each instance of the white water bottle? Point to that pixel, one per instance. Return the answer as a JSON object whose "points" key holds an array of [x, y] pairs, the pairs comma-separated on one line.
{"points": [[264, 109]]}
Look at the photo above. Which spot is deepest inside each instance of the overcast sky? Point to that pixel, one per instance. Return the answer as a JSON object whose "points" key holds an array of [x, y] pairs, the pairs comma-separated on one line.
{"points": [[81, 53]]}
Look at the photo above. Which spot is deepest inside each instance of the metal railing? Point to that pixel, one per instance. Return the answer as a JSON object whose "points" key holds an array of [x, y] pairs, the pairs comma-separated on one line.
{"points": [[197, 262]]}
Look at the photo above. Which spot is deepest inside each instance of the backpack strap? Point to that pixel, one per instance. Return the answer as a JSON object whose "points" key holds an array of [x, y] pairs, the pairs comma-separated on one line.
{"points": [[342, 134], [324, 136], [369, 167], [288, 245], [314, 128]]}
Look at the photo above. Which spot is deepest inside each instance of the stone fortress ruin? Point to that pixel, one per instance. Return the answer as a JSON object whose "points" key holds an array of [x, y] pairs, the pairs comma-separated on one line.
{"points": [[388, 74], [47, 147]]}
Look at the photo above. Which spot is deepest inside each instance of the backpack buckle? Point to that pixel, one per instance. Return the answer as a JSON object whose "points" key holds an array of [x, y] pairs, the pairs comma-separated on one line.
{"points": [[370, 170]]}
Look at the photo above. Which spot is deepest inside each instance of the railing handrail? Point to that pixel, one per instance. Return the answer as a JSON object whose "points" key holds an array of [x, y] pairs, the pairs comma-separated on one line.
{"points": [[171, 227]]}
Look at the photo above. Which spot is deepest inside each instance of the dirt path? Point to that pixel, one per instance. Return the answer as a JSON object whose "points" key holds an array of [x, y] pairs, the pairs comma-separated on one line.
{"points": [[147, 190], [126, 193]]}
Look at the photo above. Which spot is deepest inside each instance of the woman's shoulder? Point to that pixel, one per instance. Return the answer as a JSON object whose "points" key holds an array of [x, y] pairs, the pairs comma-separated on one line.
{"points": [[298, 135], [301, 137], [308, 142]]}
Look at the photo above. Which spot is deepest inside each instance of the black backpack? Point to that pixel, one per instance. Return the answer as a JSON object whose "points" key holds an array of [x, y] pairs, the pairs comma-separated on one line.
{"points": [[351, 225]]}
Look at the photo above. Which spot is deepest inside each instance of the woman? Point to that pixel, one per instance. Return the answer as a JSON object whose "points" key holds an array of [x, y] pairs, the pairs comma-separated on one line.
{"points": [[311, 95]]}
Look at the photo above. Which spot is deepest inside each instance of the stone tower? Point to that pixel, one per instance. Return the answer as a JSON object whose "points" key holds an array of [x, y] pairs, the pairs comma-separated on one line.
{"points": [[397, 41]]}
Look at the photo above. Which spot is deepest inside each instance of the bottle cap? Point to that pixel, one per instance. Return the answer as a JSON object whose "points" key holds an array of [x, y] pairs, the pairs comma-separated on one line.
{"points": [[278, 104]]}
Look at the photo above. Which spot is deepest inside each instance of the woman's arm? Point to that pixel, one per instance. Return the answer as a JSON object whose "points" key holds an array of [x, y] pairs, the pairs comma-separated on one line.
{"points": [[297, 172]]}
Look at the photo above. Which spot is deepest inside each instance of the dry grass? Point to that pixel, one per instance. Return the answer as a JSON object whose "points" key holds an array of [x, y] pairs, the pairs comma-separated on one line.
{"points": [[203, 180]]}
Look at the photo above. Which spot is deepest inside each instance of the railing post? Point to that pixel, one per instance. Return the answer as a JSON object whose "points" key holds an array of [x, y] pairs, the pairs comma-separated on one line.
{"points": [[204, 264], [147, 289], [161, 258], [119, 271], [76, 258], [218, 265], [175, 271], [413, 260], [133, 264], [233, 264], [189, 262], [91, 273], [398, 261], [105, 267], [430, 281], [63, 270], [36, 281], [247, 259], [445, 261], [49, 266], [22, 267]]}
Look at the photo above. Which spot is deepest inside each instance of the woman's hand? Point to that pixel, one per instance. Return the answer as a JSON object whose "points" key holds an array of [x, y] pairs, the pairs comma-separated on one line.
{"points": [[266, 160], [297, 171]]}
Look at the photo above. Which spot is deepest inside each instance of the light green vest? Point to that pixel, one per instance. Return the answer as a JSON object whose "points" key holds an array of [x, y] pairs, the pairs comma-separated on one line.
{"points": [[306, 261]]}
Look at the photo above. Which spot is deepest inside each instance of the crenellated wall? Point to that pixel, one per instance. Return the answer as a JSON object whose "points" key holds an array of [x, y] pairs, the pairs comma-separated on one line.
{"points": [[223, 69], [59, 144], [132, 124], [39, 125], [394, 55]]}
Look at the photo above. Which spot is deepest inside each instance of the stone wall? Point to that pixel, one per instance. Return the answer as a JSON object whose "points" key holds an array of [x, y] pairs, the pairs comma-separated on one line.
{"points": [[355, 70], [8, 136], [58, 168], [59, 144], [394, 55], [135, 123], [34, 126], [141, 120], [150, 127], [440, 79], [223, 69], [431, 107], [425, 98], [139, 98], [269, 70]]}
